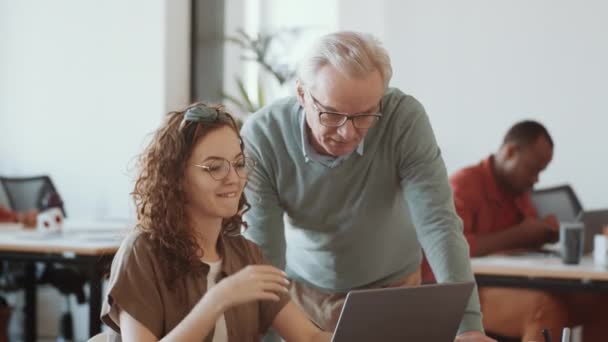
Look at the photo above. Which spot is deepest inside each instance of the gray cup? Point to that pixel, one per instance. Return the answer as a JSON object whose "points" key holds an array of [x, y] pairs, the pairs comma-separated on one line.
{"points": [[571, 236]]}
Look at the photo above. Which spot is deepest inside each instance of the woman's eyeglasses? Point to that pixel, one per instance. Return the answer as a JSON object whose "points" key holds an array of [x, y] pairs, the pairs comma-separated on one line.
{"points": [[336, 119], [219, 168]]}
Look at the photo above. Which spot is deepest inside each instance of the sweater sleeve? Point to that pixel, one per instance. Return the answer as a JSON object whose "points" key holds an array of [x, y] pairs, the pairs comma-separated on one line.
{"points": [[424, 179], [133, 287], [265, 225], [268, 309]]}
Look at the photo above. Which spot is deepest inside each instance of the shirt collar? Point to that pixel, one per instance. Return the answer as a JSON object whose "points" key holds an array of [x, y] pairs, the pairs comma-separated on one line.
{"points": [[227, 252], [310, 154], [493, 191]]}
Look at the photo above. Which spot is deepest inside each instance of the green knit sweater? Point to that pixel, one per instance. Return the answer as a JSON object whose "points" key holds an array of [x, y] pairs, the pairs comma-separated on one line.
{"points": [[361, 221]]}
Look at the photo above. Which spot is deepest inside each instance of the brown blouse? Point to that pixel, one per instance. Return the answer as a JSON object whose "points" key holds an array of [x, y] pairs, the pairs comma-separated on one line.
{"points": [[136, 285]]}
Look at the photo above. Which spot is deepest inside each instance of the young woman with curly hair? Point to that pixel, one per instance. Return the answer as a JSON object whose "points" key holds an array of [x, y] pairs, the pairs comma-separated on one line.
{"points": [[185, 273]]}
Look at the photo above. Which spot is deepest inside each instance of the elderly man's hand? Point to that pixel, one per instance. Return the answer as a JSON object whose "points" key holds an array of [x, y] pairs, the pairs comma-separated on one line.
{"points": [[473, 336]]}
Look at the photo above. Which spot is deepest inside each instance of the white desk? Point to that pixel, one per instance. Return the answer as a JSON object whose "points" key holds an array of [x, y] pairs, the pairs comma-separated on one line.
{"points": [[90, 246], [93, 239], [539, 271]]}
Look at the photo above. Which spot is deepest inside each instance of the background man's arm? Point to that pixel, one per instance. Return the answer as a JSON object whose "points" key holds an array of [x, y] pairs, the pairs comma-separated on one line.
{"points": [[530, 233]]}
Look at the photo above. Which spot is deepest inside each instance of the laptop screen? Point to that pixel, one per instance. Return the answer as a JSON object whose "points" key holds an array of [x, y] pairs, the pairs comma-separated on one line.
{"points": [[403, 314], [560, 201]]}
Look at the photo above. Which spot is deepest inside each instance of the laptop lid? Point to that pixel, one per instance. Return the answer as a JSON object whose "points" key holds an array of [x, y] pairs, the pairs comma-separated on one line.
{"points": [[594, 221], [430, 313], [560, 201]]}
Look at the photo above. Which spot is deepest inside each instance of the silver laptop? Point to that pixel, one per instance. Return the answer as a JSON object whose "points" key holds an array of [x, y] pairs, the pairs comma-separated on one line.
{"points": [[594, 221], [560, 201], [430, 313]]}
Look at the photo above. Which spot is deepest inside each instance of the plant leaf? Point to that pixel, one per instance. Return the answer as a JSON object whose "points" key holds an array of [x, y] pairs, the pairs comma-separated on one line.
{"points": [[239, 104], [236, 41], [261, 93], [244, 95]]}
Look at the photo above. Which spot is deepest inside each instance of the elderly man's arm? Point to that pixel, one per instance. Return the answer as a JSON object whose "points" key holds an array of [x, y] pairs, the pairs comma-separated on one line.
{"points": [[265, 225], [429, 197]]}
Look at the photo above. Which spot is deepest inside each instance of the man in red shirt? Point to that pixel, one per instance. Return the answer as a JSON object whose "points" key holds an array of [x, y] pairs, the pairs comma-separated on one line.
{"points": [[493, 200], [493, 197]]}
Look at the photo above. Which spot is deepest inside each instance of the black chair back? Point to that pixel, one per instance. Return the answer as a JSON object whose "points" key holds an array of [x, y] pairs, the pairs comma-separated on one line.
{"points": [[25, 193]]}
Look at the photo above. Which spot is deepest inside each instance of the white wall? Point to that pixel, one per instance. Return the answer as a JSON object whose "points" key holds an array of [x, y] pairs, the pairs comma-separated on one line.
{"points": [[478, 66], [82, 83], [314, 17]]}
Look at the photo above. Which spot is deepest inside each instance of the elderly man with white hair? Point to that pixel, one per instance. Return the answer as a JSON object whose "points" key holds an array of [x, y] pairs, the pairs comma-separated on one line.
{"points": [[350, 182]]}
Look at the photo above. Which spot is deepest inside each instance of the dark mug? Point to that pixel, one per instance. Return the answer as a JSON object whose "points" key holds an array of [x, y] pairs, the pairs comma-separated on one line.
{"points": [[571, 235]]}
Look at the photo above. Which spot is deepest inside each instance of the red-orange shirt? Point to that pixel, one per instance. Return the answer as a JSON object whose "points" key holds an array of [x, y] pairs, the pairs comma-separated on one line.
{"points": [[7, 215], [483, 207]]}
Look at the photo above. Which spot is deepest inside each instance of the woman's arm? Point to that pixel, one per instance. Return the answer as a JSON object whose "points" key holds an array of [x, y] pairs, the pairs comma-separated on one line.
{"points": [[253, 283], [293, 325], [195, 326]]}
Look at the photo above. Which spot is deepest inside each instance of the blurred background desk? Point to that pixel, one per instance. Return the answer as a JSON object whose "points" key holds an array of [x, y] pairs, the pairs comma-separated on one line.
{"points": [[88, 246], [539, 271]]}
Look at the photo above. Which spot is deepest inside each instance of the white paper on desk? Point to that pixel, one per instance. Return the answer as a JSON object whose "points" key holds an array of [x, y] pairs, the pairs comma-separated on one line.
{"points": [[35, 234], [553, 247], [84, 235], [92, 225], [18, 238], [10, 226], [97, 236]]}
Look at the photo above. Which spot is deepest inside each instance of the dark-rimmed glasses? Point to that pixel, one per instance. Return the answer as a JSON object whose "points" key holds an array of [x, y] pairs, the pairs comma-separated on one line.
{"points": [[337, 119], [219, 168]]}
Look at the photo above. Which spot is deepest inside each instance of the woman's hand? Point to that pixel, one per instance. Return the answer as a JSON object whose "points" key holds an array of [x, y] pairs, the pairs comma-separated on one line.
{"points": [[252, 283]]}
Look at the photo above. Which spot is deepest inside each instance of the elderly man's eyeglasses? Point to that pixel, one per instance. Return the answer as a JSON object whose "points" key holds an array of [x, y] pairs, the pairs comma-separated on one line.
{"points": [[337, 119], [219, 168]]}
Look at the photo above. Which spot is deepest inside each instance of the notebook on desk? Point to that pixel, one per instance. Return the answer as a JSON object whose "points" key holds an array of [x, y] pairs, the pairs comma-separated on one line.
{"points": [[430, 313]]}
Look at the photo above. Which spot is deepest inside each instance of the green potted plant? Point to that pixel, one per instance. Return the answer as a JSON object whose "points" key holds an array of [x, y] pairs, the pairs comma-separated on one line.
{"points": [[267, 50]]}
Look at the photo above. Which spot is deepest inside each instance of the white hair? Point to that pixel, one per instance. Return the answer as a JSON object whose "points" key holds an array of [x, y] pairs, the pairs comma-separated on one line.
{"points": [[353, 54]]}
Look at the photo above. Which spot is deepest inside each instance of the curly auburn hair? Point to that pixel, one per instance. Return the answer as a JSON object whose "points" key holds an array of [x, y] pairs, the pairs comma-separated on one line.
{"points": [[159, 193]]}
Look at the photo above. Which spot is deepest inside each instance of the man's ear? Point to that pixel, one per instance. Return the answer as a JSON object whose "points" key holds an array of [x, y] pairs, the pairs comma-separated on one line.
{"points": [[300, 92], [511, 150]]}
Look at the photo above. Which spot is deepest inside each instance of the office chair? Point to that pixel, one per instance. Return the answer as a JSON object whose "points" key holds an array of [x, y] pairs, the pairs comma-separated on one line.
{"points": [[21, 194], [25, 193], [5, 315], [39, 192]]}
